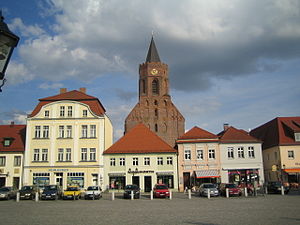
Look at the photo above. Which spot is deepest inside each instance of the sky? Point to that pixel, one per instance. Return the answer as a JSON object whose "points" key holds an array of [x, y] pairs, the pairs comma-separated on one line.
{"points": [[230, 61]]}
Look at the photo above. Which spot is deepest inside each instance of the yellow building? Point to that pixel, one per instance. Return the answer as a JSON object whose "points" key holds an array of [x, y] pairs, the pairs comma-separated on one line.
{"points": [[66, 137], [12, 146]]}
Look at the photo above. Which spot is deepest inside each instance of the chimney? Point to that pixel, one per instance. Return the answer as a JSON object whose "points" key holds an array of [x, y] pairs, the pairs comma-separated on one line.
{"points": [[63, 90], [83, 90], [225, 126], [12, 123]]}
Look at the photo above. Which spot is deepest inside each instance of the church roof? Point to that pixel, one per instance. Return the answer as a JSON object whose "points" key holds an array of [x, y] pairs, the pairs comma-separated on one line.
{"points": [[197, 134], [139, 140], [152, 55]]}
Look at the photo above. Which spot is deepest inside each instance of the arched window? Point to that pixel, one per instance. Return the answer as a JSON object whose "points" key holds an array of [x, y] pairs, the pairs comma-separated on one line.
{"points": [[147, 103], [155, 102], [156, 128], [143, 86], [166, 103], [155, 87], [156, 112]]}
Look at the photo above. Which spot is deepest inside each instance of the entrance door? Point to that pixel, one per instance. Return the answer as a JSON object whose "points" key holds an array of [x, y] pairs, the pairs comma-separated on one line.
{"points": [[186, 180], [2, 181], [59, 179], [16, 182], [136, 180], [148, 183]]}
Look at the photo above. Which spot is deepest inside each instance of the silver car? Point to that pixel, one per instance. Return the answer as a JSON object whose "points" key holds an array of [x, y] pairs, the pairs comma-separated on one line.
{"points": [[8, 193], [203, 190]]}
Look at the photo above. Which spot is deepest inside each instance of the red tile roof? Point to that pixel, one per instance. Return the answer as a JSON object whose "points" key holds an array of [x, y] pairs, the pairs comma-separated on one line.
{"points": [[74, 95], [17, 135], [233, 135], [279, 131], [139, 140], [197, 134]]}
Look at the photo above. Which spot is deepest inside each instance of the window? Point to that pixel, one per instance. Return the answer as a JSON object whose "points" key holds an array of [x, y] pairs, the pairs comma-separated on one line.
{"points": [[135, 161], [240, 151], [155, 87], [93, 131], [46, 113], [68, 154], [37, 132], [160, 161], [297, 137], [291, 154], [169, 160], [44, 154], [36, 155], [122, 161], [112, 161], [62, 111], [84, 154], [147, 161], [230, 153], [84, 113], [211, 154], [156, 112], [275, 155], [187, 154], [2, 160], [156, 128], [92, 154], [69, 131], [251, 153], [84, 129], [143, 86], [45, 131], [17, 161], [61, 131], [60, 157], [7, 142], [70, 111], [200, 154]]}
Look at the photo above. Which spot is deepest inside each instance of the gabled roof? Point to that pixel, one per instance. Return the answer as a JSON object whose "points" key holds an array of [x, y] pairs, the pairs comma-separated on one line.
{"points": [[17, 134], [279, 131], [197, 134], [233, 135], [152, 55], [139, 140], [74, 95]]}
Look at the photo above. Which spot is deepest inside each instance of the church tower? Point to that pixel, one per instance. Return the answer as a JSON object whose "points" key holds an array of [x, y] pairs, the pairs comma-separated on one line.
{"points": [[155, 108]]}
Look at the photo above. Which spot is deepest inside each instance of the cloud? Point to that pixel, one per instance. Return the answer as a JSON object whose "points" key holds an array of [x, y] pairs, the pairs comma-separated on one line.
{"points": [[125, 95], [17, 116], [30, 31], [47, 86]]}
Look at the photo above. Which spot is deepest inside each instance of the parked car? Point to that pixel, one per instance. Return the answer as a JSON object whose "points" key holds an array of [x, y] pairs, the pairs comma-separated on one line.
{"points": [[275, 187], [28, 192], [233, 189], [131, 187], [93, 192], [51, 192], [213, 190], [72, 192], [8, 192], [161, 190]]}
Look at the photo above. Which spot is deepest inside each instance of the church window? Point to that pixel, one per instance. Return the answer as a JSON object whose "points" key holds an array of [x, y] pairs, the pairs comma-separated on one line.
{"points": [[166, 103], [156, 128], [143, 86], [156, 112], [155, 102], [155, 87]]}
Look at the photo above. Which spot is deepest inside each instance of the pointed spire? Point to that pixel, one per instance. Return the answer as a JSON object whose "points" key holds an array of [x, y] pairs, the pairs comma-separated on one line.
{"points": [[152, 55]]}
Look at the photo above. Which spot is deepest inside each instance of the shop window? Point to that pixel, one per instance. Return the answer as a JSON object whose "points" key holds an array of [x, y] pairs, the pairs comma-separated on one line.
{"points": [[41, 179], [117, 182], [75, 179], [291, 154], [166, 179]]}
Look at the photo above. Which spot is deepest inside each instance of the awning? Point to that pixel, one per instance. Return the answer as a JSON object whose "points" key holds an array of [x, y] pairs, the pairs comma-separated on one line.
{"points": [[207, 173], [295, 170], [164, 173], [116, 174]]}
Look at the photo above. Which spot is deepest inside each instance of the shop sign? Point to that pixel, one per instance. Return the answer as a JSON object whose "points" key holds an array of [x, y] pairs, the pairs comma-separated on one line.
{"points": [[58, 170], [140, 171]]}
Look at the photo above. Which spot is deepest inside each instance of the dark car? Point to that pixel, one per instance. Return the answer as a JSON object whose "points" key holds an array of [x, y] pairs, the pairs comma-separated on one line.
{"points": [[131, 188], [275, 187], [233, 190], [28, 192], [51, 192], [161, 190], [8, 193]]}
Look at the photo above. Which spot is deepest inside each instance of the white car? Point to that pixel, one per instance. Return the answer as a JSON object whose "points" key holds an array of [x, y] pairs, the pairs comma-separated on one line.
{"points": [[93, 192]]}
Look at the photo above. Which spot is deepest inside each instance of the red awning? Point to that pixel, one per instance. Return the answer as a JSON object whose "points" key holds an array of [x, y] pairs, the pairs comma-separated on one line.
{"points": [[295, 170]]}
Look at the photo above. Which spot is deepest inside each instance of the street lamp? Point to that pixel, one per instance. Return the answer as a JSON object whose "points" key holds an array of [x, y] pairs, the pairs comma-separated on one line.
{"points": [[8, 41]]}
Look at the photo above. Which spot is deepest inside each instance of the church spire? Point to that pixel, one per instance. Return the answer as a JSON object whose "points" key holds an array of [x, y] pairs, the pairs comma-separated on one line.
{"points": [[152, 55]]}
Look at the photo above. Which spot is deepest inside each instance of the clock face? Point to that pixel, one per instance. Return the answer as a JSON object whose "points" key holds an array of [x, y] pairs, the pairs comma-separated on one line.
{"points": [[154, 71]]}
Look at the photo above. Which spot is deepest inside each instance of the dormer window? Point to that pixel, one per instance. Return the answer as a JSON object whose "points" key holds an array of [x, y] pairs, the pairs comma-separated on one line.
{"points": [[297, 137], [7, 142], [46, 113]]}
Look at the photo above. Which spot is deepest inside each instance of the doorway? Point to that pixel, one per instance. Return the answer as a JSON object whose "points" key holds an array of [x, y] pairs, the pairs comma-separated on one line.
{"points": [[186, 180], [59, 179], [2, 181], [136, 180], [148, 183], [16, 182]]}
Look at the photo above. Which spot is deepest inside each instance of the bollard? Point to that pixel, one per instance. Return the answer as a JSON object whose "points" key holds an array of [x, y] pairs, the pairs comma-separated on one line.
{"points": [[208, 193], [246, 192], [190, 193], [151, 195], [18, 197], [93, 195], [132, 196], [74, 196], [227, 193], [282, 190], [113, 196], [255, 191], [170, 197], [36, 196], [266, 190]]}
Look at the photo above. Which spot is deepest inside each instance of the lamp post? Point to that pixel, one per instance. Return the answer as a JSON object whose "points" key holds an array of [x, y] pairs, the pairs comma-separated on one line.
{"points": [[8, 41]]}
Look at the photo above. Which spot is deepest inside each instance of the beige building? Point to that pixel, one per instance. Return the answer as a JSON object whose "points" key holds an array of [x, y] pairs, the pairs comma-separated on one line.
{"points": [[281, 148], [198, 158], [12, 146], [66, 137]]}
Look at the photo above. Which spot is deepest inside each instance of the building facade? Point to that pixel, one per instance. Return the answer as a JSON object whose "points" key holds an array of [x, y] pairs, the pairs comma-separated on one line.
{"points": [[155, 108], [198, 158], [12, 147], [140, 157], [66, 137], [281, 148], [241, 157]]}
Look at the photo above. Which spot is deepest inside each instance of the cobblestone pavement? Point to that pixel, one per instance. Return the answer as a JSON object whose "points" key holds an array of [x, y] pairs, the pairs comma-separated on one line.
{"points": [[270, 209]]}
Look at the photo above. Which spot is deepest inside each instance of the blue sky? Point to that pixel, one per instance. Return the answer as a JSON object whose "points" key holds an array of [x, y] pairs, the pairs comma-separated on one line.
{"points": [[233, 62]]}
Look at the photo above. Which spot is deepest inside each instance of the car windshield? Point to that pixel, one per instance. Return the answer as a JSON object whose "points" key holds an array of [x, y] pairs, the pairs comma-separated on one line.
{"points": [[161, 187], [4, 189], [92, 188], [27, 188], [209, 186], [231, 186], [134, 187], [72, 188], [50, 188]]}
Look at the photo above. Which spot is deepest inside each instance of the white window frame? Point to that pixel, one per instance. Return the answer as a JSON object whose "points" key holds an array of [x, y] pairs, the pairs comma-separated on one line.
{"points": [[230, 153], [147, 161], [70, 111], [68, 154], [187, 154], [46, 113], [36, 155], [37, 132], [135, 161], [122, 161], [84, 131], [112, 161], [60, 155], [251, 152], [200, 154], [241, 152], [84, 113], [291, 154], [169, 160], [69, 131], [92, 154], [2, 160], [83, 154], [61, 131], [93, 131], [44, 154], [46, 131], [17, 161], [211, 154], [160, 161], [61, 111]]}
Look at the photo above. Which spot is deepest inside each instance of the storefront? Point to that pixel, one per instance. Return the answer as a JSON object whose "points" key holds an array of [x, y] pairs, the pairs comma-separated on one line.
{"points": [[243, 176], [293, 175], [165, 178], [205, 176], [41, 179], [117, 181]]}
